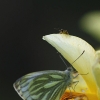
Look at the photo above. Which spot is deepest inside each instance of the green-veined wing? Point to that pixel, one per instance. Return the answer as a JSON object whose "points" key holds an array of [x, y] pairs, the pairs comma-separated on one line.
{"points": [[43, 85]]}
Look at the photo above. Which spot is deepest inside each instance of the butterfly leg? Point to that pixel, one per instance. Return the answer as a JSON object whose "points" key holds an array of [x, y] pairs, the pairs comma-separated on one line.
{"points": [[76, 76], [70, 93], [80, 74], [75, 82]]}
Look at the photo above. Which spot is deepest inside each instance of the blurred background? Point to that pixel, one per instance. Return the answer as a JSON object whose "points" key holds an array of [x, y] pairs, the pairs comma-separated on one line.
{"points": [[22, 25]]}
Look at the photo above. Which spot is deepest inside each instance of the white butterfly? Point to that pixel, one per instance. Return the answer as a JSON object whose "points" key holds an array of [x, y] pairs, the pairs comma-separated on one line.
{"points": [[44, 85]]}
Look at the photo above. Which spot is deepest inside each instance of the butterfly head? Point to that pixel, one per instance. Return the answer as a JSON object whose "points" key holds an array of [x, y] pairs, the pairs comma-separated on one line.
{"points": [[70, 69]]}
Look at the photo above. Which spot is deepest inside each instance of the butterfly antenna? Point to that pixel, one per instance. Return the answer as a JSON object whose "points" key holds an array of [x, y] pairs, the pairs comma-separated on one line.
{"points": [[78, 57], [74, 60], [62, 59]]}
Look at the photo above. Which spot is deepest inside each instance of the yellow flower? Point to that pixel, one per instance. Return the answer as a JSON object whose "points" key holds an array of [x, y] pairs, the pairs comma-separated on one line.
{"points": [[71, 47]]}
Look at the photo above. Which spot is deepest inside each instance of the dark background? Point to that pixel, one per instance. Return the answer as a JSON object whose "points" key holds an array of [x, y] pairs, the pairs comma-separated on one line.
{"points": [[22, 25]]}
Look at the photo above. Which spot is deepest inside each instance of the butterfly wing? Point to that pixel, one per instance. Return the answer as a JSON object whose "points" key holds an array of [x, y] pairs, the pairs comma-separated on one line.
{"points": [[42, 85]]}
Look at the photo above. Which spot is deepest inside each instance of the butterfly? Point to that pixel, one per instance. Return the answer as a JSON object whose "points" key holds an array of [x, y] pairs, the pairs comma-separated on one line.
{"points": [[44, 85]]}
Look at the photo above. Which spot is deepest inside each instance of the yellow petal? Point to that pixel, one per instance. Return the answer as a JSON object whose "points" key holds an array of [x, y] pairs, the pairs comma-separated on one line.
{"points": [[71, 47], [96, 71], [79, 87]]}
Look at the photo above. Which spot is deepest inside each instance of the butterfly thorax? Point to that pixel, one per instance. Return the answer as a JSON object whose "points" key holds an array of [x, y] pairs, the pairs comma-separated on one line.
{"points": [[69, 76]]}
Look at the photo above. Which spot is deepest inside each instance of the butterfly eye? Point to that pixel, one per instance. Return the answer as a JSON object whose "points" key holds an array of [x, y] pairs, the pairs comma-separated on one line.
{"points": [[69, 69]]}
